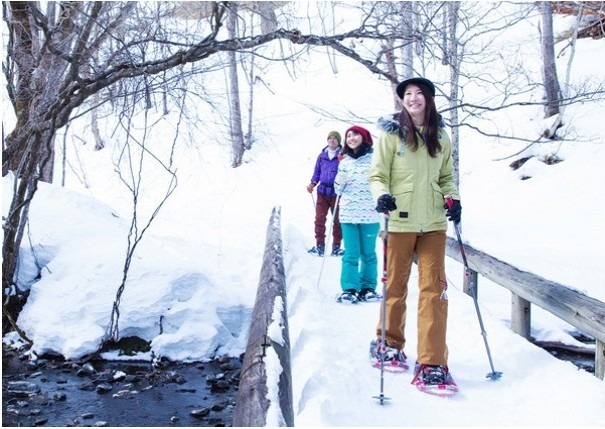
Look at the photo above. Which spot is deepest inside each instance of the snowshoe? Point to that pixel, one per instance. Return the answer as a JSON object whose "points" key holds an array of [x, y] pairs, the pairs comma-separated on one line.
{"points": [[393, 359], [317, 250], [337, 251], [368, 295], [348, 296], [434, 379]]}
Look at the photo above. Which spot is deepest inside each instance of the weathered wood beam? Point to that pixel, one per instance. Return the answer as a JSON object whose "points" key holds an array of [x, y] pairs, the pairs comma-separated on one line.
{"points": [[270, 308], [585, 313]]}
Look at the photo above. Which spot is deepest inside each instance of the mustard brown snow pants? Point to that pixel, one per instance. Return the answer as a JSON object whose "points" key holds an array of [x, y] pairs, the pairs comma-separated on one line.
{"points": [[432, 308]]}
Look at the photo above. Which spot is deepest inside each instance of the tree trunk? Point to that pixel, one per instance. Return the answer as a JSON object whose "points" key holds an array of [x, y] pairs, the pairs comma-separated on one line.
{"points": [[407, 51], [454, 61], [549, 67], [236, 133], [24, 63]]}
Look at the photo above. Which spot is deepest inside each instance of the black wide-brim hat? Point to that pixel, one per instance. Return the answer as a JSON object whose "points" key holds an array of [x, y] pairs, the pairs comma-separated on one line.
{"points": [[415, 80]]}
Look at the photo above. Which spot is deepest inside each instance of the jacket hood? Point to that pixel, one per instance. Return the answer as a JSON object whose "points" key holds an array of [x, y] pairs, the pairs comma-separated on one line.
{"points": [[390, 123]]}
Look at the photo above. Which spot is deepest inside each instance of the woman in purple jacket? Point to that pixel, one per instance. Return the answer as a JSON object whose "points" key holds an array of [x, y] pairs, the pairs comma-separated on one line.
{"points": [[325, 171]]}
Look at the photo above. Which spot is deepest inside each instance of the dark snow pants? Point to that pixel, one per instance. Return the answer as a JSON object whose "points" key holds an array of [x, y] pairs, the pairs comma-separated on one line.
{"points": [[321, 212]]}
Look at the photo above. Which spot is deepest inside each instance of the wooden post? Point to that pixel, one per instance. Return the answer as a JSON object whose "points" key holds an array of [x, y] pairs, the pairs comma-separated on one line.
{"points": [[469, 279], [599, 361], [520, 316]]}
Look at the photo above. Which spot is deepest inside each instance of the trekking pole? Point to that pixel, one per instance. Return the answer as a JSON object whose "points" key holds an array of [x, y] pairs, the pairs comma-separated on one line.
{"points": [[381, 397], [494, 375]]}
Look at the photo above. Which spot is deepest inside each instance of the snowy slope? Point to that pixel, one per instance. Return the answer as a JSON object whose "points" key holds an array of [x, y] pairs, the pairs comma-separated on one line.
{"points": [[193, 280]]}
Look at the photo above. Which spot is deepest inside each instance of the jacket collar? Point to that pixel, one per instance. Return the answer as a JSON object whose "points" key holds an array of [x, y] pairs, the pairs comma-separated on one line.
{"points": [[390, 123]]}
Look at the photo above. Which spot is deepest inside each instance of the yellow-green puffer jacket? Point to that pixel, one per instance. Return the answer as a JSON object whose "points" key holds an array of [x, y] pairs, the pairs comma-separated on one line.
{"points": [[418, 182]]}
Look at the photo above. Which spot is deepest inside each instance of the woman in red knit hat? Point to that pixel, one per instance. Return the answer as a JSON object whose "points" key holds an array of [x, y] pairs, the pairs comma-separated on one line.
{"points": [[359, 221]]}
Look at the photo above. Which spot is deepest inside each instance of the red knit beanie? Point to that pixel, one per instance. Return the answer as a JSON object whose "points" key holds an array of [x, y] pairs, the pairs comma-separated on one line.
{"points": [[365, 134]]}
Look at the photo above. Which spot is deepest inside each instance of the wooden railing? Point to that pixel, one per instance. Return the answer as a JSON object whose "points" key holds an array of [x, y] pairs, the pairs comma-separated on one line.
{"points": [[268, 335], [583, 312]]}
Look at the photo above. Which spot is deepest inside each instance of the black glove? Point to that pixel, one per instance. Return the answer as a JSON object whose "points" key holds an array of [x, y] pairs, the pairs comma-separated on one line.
{"points": [[385, 203], [455, 212]]}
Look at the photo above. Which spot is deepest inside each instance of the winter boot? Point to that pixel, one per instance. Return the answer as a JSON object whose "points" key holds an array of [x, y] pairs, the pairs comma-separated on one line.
{"points": [[393, 358], [349, 296], [368, 295], [434, 379], [317, 250], [337, 251], [431, 374]]}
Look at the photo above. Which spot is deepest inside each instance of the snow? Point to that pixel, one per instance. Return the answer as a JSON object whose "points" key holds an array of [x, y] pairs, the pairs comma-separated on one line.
{"points": [[193, 278]]}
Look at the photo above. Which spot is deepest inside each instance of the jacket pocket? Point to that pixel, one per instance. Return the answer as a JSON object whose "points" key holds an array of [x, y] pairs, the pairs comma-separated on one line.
{"points": [[404, 194], [436, 209]]}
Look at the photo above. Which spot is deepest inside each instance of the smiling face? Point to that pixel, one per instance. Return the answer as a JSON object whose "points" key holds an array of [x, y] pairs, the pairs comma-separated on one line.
{"points": [[354, 140], [332, 142], [415, 103]]}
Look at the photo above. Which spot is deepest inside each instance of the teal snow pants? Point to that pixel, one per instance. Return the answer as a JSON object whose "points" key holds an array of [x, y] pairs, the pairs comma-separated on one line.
{"points": [[359, 262]]}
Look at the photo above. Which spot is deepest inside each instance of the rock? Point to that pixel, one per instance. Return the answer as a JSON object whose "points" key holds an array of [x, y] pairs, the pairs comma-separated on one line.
{"points": [[119, 375], [40, 399], [86, 370], [105, 376], [103, 388], [87, 386], [59, 396], [220, 386], [219, 406], [201, 413], [22, 388], [126, 394], [227, 366], [153, 388]]}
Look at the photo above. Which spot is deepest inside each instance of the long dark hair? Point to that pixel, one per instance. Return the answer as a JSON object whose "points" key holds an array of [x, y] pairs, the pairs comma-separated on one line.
{"points": [[432, 119]]}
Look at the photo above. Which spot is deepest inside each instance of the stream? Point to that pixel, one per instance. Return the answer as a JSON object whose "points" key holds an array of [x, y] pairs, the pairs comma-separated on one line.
{"points": [[118, 393]]}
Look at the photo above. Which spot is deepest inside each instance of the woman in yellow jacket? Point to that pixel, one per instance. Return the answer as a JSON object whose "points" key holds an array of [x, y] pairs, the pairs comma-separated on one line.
{"points": [[412, 171]]}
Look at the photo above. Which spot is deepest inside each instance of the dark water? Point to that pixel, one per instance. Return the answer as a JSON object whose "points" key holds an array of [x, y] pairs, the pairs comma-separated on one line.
{"points": [[101, 393], [122, 394]]}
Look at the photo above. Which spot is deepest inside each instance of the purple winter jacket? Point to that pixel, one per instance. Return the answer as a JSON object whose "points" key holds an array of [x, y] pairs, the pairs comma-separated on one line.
{"points": [[325, 172]]}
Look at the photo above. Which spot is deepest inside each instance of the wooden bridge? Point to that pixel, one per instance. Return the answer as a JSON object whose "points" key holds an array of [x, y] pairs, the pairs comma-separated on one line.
{"points": [[269, 339]]}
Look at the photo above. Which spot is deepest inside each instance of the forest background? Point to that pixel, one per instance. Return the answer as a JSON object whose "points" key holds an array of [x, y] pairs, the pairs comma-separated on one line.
{"points": [[107, 75]]}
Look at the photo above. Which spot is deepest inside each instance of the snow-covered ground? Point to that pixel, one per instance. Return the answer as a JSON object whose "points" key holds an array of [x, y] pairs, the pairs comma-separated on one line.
{"points": [[193, 279]]}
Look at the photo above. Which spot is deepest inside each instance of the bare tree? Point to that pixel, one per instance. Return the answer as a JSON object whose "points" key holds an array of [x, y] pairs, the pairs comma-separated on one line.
{"points": [[235, 114], [549, 66], [453, 59], [64, 59], [130, 166], [59, 58]]}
